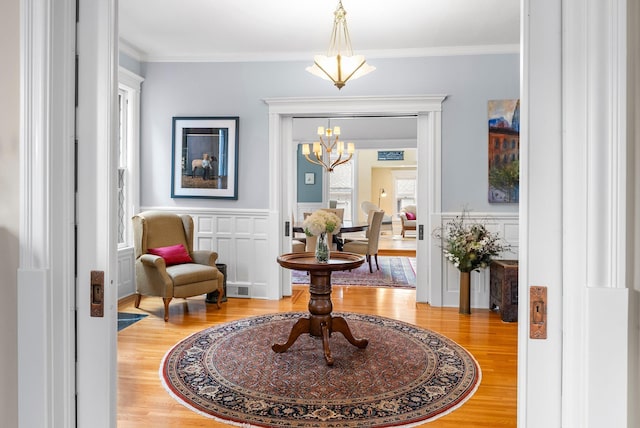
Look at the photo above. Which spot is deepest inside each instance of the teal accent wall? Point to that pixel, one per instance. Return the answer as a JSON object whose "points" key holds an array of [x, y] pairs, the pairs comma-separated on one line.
{"points": [[308, 192]]}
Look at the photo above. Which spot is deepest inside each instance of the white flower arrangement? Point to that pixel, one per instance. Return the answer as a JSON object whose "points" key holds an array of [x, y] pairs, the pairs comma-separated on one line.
{"points": [[469, 245], [321, 222]]}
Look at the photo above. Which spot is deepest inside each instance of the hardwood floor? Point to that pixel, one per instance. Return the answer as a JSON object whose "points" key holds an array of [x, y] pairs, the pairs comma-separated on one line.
{"points": [[143, 402]]}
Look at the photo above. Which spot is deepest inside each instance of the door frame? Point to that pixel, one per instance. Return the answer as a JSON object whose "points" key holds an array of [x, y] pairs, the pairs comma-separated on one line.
{"points": [[67, 371], [46, 280], [282, 150]]}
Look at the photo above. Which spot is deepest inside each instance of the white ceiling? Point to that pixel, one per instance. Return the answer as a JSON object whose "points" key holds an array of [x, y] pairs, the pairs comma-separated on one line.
{"points": [[277, 30], [258, 30]]}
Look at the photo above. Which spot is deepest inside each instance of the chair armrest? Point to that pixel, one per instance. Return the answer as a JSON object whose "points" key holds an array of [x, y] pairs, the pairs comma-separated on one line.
{"points": [[151, 276], [152, 260], [204, 257]]}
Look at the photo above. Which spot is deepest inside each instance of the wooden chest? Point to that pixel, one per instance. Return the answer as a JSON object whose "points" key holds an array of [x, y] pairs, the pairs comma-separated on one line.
{"points": [[504, 288]]}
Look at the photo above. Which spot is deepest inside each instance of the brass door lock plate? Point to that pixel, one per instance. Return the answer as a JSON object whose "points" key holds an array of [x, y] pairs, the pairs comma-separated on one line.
{"points": [[97, 293], [538, 312]]}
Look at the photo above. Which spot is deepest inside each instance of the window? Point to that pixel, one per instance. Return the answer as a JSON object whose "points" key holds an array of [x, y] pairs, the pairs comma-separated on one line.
{"points": [[405, 192], [128, 153], [341, 187], [122, 168]]}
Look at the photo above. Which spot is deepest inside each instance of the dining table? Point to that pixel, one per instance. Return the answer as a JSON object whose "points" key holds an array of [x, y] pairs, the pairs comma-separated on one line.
{"points": [[347, 226]]}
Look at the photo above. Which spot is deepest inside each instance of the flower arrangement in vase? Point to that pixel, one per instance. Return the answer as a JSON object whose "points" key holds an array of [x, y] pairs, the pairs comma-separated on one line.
{"points": [[469, 246], [319, 223]]}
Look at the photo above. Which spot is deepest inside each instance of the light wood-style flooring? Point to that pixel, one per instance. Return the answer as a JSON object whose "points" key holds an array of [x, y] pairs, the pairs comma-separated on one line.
{"points": [[143, 402]]}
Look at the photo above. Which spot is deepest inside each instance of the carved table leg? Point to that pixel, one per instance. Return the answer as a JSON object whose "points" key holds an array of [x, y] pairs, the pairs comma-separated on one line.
{"points": [[303, 325], [340, 324], [325, 343]]}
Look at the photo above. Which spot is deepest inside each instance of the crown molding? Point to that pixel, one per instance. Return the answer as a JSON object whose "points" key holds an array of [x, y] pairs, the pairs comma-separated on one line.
{"points": [[140, 55]]}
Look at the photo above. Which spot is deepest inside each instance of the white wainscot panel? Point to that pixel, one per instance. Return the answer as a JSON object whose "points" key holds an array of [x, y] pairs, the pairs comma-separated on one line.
{"points": [[259, 269], [261, 227], [506, 225], [224, 248], [244, 225], [204, 243], [126, 272], [224, 225], [204, 224], [240, 238], [511, 233], [480, 294], [245, 260]]}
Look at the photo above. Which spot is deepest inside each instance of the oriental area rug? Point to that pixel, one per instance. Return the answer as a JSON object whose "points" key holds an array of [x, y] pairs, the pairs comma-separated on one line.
{"points": [[394, 272], [406, 376]]}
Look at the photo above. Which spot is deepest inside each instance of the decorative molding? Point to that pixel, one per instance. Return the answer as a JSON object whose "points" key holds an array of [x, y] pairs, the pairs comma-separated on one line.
{"points": [[282, 148], [304, 56], [507, 225], [126, 272], [594, 187], [240, 237]]}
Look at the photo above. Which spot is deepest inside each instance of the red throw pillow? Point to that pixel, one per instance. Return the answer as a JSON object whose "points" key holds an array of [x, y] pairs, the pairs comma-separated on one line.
{"points": [[410, 215], [172, 255]]}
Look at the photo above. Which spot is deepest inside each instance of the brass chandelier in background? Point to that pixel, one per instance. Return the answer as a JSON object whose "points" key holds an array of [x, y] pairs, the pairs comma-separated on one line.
{"points": [[340, 64], [332, 141]]}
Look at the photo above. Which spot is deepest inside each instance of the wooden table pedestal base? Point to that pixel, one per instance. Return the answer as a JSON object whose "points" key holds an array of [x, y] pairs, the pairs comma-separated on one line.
{"points": [[320, 322]]}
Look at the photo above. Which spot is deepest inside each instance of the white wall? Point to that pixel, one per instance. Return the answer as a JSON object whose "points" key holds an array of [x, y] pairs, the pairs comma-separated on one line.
{"points": [[9, 207], [236, 89]]}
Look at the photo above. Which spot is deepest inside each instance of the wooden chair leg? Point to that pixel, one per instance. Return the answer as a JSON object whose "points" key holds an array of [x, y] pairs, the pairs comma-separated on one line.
{"points": [[166, 308], [369, 261], [376, 257], [138, 298], [220, 294]]}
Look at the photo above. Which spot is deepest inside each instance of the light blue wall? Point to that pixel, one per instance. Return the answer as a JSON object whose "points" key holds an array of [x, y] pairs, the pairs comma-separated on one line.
{"points": [[237, 89]]}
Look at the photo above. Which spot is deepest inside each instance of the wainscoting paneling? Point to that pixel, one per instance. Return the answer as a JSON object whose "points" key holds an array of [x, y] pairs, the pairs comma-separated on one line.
{"points": [[126, 272], [240, 239], [506, 224]]}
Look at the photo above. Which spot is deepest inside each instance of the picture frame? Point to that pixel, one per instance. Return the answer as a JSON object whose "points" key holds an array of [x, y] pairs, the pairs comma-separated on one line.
{"points": [[504, 150], [309, 178], [205, 157]]}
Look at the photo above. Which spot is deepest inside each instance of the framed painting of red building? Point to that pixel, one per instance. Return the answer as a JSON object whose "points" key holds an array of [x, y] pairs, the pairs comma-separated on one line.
{"points": [[504, 150]]}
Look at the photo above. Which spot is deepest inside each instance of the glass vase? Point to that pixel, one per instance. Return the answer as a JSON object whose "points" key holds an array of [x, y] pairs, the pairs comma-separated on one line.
{"points": [[322, 248]]}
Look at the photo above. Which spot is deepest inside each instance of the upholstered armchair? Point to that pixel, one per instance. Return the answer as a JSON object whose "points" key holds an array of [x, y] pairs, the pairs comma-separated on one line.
{"points": [[166, 264], [408, 218], [368, 247]]}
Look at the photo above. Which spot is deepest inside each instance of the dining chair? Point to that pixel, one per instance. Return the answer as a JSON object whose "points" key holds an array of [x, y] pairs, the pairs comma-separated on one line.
{"points": [[298, 244], [337, 211], [368, 247]]}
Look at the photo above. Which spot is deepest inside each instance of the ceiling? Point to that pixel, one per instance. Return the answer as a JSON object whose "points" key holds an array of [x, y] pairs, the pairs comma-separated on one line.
{"points": [[281, 30], [278, 30]]}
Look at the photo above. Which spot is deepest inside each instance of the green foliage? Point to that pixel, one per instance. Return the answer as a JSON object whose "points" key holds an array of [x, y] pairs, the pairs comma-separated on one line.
{"points": [[505, 178]]}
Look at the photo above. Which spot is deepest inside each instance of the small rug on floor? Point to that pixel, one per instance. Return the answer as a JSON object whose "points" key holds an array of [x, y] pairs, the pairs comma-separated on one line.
{"points": [[394, 272], [405, 376], [125, 319]]}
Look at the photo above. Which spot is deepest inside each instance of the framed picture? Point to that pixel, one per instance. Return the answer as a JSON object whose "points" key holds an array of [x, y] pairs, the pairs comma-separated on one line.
{"points": [[205, 157], [309, 178], [504, 151]]}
